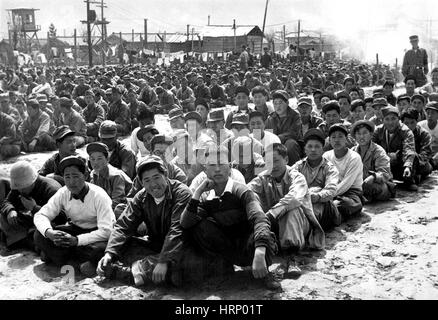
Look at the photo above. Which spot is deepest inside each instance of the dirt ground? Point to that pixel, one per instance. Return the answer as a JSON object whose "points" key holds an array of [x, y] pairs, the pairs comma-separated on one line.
{"points": [[389, 251]]}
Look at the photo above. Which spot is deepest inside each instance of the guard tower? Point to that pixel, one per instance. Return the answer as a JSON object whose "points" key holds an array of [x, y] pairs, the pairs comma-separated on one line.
{"points": [[23, 29]]}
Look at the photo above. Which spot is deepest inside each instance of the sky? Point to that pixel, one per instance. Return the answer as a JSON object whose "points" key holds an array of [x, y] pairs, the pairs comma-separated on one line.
{"points": [[371, 26]]}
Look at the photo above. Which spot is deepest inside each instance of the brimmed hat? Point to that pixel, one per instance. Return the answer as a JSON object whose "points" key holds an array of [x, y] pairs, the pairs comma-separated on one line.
{"points": [[314, 134], [281, 94], [72, 161], [367, 123], [240, 118], [216, 115], [108, 129], [98, 147], [338, 127], [23, 174], [357, 103], [390, 109], [403, 97], [150, 161], [331, 105], [161, 138], [432, 105], [193, 115], [149, 128], [61, 132], [305, 101], [413, 37], [175, 113], [33, 103], [418, 96]]}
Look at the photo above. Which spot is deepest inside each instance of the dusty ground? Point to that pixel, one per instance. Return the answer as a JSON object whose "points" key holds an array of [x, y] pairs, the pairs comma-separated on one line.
{"points": [[388, 252]]}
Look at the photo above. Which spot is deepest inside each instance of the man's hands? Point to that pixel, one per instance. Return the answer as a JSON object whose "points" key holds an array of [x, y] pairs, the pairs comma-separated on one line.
{"points": [[159, 273], [13, 218], [104, 264], [32, 145], [28, 203], [369, 180], [407, 172], [61, 238], [259, 268], [315, 197], [206, 185], [393, 156]]}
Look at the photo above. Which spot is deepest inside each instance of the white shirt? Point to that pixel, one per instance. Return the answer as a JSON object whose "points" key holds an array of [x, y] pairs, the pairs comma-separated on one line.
{"points": [[350, 169], [94, 212], [235, 175], [268, 139], [137, 145], [433, 132], [210, 195]]}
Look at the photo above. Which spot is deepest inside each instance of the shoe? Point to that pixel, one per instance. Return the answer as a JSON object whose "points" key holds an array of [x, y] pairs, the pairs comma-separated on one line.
{"points": [[88, 269], [271, 283], [293, 270], [117, 271], [411, 187]]}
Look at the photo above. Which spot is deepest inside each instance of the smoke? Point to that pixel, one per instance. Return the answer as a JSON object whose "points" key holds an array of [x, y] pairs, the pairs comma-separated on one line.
{"points": [[375, 27]]}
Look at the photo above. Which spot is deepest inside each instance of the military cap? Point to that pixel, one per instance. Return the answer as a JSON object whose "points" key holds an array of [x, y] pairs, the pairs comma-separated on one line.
{"points": [[61, 132], [331, 105], [338, 127], [193, 115], [305, 101], [410, 77], [314, 134], [150, 161], [366, 123], [161, 138], [418, 96], [348, 79], [240, 118], [216, 115], [380, 102], [98, 147], [108, 129], [176, 113], [146, 129], [72, 161], [242, 89], [432, 105], [390, 109], [281, 94], [357, 103], [413, 37], [403, 97]]}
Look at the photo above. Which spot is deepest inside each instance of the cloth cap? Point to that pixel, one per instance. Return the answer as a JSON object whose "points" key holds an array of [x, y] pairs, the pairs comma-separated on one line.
{"points": [[331, 105], [108, 129], [216, 115], [193, 115], [432, 105], [305, 101], [65, 102], [23, 174], [314, 134], [61, 132], [418, 96], [176, 113], [33, 103], [413, 37], [161, 138], [243, 89], [149, 128], [388, 110], [72, 161], [338, 127], [367, 123], [403, 97], [281, 94], [150, 161], [41, 98], [357, 103], [98, 147], [240, 118]]}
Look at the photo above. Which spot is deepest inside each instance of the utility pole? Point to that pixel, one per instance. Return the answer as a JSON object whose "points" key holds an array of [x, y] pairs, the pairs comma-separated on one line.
{"points": [[298, 40], [90, 47], [284, 37], [234, 28], [263, 30], [146, 33], [75, 52], [103, 32], [133, 35], [208, 20], [193, 34]]}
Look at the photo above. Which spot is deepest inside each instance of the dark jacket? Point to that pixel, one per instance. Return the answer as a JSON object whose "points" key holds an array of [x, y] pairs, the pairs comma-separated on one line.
{"points": [[120, 114], [124, 159], [423, 144], [52, 166], [286, 128], [162, 222]]}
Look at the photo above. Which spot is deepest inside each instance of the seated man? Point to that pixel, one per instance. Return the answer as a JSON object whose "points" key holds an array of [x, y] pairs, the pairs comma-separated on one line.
{"points": [[186, 96], [258, 132], [66, 144], [322, 178], [423, 143], [35, 130], [145, 118], [377, 184], [399, 143], [241, 101], [176, 118], [418, 102], [357, 110], [285, 198], [245, 159], [158, 205], [114, 181], [286, 124], [348, 197], [308, 120], [260, 95], [218, 97], [29, 192], [121, 156], [9, 140], [215, 127], [332, 115], [185, 156], [431, 125], [90, 220], [403, 102], [378, 105], [118, 111], [94, 115], [224, 220], [74, 120]]}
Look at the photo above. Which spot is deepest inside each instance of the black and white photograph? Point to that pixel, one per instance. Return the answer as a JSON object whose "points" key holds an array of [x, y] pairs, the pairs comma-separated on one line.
{"points": [[235, 152]]}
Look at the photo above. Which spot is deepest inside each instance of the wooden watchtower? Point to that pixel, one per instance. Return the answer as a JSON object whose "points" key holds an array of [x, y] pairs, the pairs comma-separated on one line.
{"points": [[23, 29]]}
